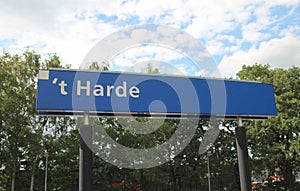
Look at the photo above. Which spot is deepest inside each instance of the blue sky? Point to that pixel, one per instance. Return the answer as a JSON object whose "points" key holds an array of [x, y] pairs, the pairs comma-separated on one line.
{"points": [[235, 33]]}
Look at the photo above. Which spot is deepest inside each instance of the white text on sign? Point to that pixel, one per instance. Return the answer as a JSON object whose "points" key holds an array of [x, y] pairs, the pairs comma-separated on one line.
{"points": [[98, 90]]}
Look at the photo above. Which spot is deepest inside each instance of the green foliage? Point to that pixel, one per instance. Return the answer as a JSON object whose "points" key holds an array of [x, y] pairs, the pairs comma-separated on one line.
{"points": [[151, 70], [18, 74], [24, 137], [22, 133], [275, 142]]}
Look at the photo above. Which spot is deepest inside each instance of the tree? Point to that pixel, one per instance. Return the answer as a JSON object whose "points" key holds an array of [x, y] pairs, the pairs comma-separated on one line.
{"points": [[22, 130], [18, 74], [275, 143]]}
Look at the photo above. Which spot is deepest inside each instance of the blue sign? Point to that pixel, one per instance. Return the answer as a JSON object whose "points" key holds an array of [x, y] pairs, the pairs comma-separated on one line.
{"points": [[68, 92]]}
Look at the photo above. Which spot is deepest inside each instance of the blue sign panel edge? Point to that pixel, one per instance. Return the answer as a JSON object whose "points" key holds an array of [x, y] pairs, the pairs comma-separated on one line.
{"points": [[45, 74]]}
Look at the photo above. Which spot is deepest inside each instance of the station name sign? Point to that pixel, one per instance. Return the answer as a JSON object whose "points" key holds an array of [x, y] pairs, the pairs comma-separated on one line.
{"points": [[69, 92]]}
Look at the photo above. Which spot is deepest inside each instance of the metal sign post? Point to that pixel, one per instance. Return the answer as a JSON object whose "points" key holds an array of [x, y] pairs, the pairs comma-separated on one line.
{"points": [[85, 156], [243, 160]]}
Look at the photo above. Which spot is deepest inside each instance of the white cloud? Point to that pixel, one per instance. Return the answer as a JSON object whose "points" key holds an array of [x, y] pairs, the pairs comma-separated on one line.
{"points": [[217, 16], [144, 53], [251, 32], [52, 27], [70, 28], [278, 53]]}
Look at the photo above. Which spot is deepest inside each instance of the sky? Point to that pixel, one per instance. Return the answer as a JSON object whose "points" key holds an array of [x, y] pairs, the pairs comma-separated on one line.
{"points": [[235, 33]]}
